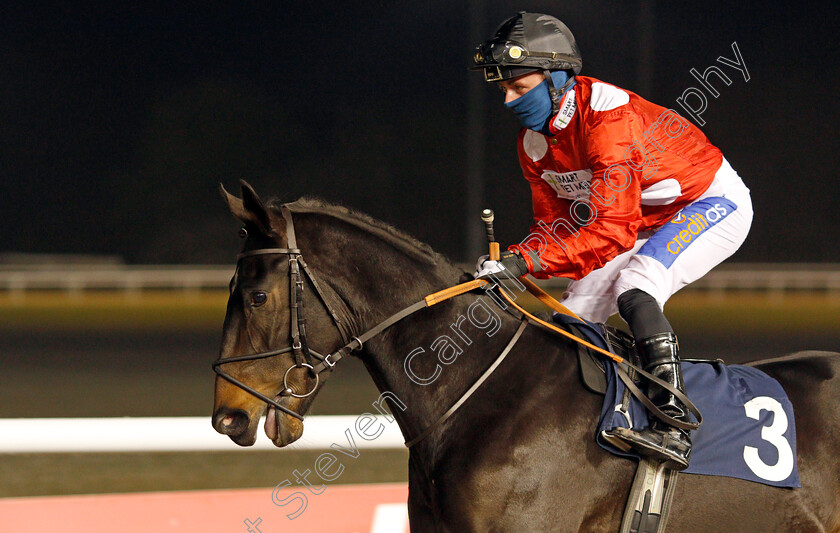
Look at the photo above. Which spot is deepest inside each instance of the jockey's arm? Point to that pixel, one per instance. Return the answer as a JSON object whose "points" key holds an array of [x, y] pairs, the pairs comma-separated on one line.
{"points": [[570, 238]]}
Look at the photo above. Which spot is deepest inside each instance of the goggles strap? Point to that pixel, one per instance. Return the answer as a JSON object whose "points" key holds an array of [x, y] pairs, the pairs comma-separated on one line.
{"points": [[555, 93], [552, 91]]}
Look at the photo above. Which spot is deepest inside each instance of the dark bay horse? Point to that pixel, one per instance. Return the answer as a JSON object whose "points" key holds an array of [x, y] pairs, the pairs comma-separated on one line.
{"points": [[519, 455]]}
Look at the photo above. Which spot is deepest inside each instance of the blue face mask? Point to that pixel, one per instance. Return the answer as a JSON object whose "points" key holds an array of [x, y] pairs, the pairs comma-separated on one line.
{"points": [[533, 109]]}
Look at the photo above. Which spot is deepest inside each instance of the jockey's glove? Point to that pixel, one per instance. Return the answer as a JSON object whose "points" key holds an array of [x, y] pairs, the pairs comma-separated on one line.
{"points": [[509, 261]]}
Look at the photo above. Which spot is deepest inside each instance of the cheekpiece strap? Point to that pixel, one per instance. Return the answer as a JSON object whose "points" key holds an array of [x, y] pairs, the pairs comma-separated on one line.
{"points": [[290, 227]]}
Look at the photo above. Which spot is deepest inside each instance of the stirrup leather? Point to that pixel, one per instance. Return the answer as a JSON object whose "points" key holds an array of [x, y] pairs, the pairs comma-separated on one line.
{"points": [[660, 441]]}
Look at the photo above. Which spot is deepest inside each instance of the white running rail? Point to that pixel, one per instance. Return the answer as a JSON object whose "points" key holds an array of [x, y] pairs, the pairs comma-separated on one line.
{"points": [[176, 434]]}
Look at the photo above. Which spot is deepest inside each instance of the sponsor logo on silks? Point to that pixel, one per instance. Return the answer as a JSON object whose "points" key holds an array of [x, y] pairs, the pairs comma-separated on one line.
{"points": [[572, 185], [567, 111], [686, 226]]}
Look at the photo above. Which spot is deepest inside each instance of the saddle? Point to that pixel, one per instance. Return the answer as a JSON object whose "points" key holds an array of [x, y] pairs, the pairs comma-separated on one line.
{"points": [[593, 372]]}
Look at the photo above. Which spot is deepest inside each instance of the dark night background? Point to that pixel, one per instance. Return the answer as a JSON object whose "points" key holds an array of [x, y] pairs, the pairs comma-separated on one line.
{"points": [[117, 122]]}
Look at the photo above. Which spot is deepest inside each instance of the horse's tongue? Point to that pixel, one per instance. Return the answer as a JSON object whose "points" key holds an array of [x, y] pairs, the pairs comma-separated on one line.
{"points": [[271, 423]]}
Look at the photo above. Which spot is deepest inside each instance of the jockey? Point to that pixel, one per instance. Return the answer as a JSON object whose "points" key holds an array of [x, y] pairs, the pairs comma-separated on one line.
{"points": [[631, 201]]}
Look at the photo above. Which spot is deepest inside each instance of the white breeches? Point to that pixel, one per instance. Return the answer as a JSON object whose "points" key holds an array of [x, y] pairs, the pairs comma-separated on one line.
{"points": [[683, 250]]}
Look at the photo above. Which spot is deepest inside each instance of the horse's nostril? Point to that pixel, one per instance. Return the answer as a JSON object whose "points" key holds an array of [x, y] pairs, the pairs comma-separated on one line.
{"points": [[230, 421]]}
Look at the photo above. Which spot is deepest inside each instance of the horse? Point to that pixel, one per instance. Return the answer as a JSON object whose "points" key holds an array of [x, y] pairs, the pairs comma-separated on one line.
{"points": [[516, 455]]}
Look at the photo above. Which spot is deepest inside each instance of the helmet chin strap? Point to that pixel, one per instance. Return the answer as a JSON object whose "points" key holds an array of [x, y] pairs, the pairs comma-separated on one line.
{"points": [[554, 92]]}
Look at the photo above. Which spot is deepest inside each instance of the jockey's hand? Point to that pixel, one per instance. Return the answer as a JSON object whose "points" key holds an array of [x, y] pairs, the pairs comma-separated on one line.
{"points": [[512, 262]]}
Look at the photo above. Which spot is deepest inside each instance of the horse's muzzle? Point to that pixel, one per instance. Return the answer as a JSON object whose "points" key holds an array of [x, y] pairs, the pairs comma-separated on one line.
{"points": [[242, 426], [236, 424]]}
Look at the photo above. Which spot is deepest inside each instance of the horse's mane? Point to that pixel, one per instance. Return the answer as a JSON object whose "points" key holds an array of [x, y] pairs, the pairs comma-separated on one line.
{"points": [[397, 238]]}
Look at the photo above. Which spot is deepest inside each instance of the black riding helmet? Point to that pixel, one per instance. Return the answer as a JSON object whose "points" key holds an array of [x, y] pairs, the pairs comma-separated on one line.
{"points": [[529, 42]]}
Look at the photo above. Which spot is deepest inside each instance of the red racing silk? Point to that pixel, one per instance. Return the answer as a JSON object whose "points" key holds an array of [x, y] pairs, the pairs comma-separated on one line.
{"points": [[615, 165]]}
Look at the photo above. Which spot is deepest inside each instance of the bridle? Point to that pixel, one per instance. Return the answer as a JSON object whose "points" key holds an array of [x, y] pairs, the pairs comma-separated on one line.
{"points": [[299, 346], [304, 355]]}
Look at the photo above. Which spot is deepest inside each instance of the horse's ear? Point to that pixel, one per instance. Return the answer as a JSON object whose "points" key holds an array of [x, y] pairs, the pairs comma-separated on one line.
{"points": [[234, 204], [254, 205], [249, 210]]}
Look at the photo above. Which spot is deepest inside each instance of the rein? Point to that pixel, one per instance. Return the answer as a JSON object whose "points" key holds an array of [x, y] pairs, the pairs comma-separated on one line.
{"points": [[622, 373], [304, 355]]}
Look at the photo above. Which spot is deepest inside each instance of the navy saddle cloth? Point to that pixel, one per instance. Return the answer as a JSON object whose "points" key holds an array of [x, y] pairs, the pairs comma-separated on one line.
{"points": [[748, 429]]}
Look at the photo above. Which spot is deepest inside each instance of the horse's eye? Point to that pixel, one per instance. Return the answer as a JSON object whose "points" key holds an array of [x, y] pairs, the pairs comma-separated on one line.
{"points": [[258, 298]]}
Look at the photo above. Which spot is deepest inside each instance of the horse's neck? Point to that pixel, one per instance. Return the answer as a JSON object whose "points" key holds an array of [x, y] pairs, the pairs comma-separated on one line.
{"points": [[452, 342], [426, 362]]}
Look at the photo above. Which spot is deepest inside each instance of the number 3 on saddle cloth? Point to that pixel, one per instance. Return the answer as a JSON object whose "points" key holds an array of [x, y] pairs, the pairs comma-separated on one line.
{"points": [[748, 429]]}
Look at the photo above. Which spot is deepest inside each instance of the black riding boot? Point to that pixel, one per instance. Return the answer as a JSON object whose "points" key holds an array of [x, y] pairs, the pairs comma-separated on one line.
{"points": [[660, 356]]}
